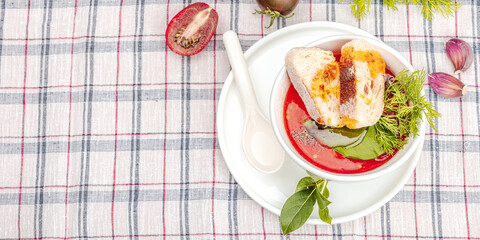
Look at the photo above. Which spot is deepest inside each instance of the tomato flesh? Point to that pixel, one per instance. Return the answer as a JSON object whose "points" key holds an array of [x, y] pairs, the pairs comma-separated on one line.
{"points": [[191, 29]]}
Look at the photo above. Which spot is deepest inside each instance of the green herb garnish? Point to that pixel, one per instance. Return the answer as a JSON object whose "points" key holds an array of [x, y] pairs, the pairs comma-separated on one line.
{"points": [[368, 149], [360, 8], [403, 111], [401, 117], [298, 207]]}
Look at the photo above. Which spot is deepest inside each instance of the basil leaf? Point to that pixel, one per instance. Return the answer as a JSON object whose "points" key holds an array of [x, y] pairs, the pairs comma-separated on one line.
{"points": [[325, 216], [297, 210], [347, 132], [315, 178], [326, 193], [321, 200], [334, 137], [368, 149], [304, 183]]}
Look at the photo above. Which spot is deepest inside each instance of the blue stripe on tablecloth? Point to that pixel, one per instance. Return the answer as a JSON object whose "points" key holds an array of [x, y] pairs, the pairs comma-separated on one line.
{"points": [[11, 198], [194, 143], [87, 122], [233, 188], [106, 96], [164, 170], [337, 232], [234, 9], [476, 45], [181, 211], [17, 47], [34, 48], [136, 122], [330, 10], [379, 19], [185, 146], [42, 121], [385, 221], [434, 153], [233, 208], [154, 95], [334, 231]]}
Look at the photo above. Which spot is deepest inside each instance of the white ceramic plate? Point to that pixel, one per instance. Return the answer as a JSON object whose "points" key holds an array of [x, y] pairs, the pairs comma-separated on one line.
{"points": [[265, 59]]}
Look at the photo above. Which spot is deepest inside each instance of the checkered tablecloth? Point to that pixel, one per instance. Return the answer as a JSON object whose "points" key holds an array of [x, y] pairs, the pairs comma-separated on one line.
{"points": [[106, 133]]}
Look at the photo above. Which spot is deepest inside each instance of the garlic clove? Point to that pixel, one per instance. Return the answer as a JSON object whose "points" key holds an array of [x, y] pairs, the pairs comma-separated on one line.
{"points": [[460, 53], [446, 85]]}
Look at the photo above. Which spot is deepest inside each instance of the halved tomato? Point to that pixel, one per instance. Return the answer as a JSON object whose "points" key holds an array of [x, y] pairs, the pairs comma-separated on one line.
{"points": [[191, 29]]}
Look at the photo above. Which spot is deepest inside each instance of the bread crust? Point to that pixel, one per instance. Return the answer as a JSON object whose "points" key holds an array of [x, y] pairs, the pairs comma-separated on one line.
{"points": [[336, 94], [362, 84], [347, 82], [305, 68]]}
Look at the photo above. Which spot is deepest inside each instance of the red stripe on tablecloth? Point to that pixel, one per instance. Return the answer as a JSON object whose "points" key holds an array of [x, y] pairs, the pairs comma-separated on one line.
{"points": [[415, 171], [452, 134], [70, 120], [165, 130], [216, 34], [263, 225], [137, 84], [116, 118], [214, 124], [408, 34], [463, 142], [120, 85], [415, 200], [199, 183], [365, 225], [81, 37], [464, 174], [310, 10], [124, 185], [243, 234], [421, 36], [444, 185], [261, 27], [23, 122]]}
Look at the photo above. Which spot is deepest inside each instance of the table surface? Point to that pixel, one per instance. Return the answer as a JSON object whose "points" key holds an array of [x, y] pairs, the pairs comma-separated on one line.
{"points": [[106, 133]]}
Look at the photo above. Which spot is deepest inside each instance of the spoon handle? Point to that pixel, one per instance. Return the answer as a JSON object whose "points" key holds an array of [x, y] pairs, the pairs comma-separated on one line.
{"points": [[239, 68]]}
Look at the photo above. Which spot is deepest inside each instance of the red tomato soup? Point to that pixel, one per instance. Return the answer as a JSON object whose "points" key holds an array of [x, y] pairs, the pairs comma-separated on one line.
{"points": [[294, 114]]}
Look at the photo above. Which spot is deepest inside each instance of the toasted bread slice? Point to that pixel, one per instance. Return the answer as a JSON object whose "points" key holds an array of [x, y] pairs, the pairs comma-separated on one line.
{"points": [[362, 84], [315, 75]]}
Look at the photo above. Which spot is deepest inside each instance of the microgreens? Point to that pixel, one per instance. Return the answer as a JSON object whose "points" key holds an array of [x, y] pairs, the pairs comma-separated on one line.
{"points": [[360, 8]]}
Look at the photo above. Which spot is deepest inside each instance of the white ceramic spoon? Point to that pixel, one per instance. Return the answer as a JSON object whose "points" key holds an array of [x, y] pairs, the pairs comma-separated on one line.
{"points": [[259, 143]]}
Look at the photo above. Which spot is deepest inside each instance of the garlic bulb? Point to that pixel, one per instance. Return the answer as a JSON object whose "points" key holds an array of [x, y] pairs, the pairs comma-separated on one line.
{"points": [[460, 53], [446, 85]]}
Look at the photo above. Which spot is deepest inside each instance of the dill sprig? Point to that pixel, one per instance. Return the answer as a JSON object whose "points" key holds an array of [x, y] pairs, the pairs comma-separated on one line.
{"points": [[360, 8], [404, 107]]}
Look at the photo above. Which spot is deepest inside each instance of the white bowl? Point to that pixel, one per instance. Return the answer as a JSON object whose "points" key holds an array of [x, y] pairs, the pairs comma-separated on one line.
{"points": [[394, 61]]}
